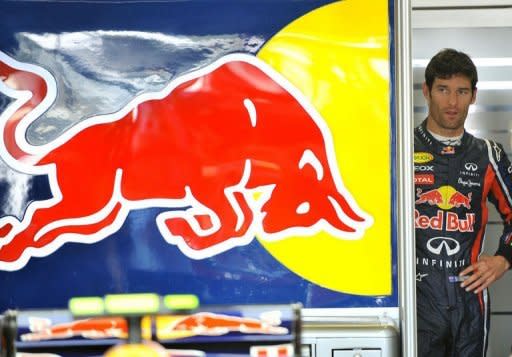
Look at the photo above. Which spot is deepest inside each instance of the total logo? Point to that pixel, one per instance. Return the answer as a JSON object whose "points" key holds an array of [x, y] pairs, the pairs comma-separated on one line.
{"points": [[445, 197], [437, 245]]}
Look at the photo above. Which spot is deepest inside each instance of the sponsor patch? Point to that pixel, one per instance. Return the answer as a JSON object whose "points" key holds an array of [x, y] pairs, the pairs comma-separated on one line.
{"points": [[424, 179], [423, 168], [422, 157], [448, 150], [468, 183]]}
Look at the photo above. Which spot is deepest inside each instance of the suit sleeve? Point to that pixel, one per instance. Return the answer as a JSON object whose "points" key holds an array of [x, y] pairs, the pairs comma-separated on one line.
{"points": [[501, 196]]}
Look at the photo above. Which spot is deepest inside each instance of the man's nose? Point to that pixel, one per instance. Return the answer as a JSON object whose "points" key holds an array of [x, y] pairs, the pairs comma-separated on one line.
{"points": [[452, 98]]}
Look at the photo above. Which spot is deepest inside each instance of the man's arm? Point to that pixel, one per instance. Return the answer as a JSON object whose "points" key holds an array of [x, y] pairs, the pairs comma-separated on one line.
{"points": [[488, 269]]}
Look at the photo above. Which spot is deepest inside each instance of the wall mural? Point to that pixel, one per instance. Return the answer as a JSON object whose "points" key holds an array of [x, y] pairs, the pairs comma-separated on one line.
{"points": [[241, 161]]}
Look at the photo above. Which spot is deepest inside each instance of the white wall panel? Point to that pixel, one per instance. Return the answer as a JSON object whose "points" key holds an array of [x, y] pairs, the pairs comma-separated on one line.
{"points": [[458, 18], [458, 3]]}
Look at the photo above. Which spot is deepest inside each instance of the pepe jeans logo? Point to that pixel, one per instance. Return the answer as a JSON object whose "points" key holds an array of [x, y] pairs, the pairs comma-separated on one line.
{"points": [[437, 244]]}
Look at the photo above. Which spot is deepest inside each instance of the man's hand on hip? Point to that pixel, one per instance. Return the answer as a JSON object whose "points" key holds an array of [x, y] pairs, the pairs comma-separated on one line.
{"points": [[484, 272]]}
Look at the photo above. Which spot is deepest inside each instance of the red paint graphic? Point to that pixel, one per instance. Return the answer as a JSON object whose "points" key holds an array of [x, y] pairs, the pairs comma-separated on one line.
{"points": [[458, 199], [272, 351], [203, 323], [432, 197], [436, 197], [108, 327], [210, 141]]}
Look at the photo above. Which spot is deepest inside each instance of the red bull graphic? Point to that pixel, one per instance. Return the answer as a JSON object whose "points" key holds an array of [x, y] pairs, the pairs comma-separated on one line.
{"points": [[458, 199], [167, 327], [445, 197], [432, 197], [212, 324], [221, 158], [93, 328], [210, 140]]}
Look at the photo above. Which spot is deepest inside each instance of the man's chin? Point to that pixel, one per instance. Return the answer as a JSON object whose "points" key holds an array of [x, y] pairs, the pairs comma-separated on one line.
{"points": [[453, 124]]}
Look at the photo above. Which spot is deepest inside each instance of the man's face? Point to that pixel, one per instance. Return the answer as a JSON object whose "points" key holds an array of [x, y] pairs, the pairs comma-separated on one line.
{"points": [[448, 102]]}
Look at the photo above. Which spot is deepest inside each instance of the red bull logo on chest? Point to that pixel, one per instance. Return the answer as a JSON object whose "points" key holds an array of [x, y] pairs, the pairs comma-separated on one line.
{"points": [[233, 145], [444, 197]]}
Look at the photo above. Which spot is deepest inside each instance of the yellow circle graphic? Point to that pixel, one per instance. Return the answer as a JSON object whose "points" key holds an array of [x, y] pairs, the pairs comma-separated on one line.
{"points": [[338, 57], [446, 193]]}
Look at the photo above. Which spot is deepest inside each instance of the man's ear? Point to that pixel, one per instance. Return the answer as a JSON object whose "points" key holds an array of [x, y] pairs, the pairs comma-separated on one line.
{"points": [[426, 92], [473, 100]]}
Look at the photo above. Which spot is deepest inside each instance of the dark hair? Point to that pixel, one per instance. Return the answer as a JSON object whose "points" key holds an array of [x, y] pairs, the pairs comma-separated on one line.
{"points": [[449, 62]]}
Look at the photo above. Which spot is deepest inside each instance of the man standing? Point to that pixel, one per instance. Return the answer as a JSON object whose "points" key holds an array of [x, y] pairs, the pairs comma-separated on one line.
{"points": [[455, 174]]}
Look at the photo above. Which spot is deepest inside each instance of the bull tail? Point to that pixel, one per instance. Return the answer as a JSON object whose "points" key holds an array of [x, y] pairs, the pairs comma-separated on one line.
{"points": [[32, 91]]}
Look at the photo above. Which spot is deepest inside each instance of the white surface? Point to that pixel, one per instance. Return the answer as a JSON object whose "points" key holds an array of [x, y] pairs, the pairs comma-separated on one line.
{"points": [[461, 3]]}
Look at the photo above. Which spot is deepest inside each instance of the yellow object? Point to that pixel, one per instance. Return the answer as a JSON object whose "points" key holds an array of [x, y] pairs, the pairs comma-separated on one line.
{"points": [[132, 303], [338, 57], [446, 192], [86, 306], [181, 302], [147, 349]]}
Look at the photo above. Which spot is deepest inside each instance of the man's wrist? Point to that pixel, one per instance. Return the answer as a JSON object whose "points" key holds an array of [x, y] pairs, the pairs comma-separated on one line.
{"points": [[506, 261], [505, 251]]}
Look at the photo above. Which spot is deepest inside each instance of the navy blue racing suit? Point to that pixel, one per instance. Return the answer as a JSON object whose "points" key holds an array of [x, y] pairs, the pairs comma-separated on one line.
{"points": [[453, 185]]}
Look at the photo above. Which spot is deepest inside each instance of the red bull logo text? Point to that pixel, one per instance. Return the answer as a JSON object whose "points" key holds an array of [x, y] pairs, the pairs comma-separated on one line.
{"points": [[234, 144], [445, 220], [444, 197]]}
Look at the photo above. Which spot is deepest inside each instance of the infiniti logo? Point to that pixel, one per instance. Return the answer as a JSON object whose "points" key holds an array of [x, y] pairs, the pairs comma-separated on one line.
{"points": [[437, 244], [470, 166]]}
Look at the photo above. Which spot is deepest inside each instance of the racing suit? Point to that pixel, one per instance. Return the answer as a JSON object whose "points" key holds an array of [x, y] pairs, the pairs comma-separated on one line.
{"points": [[453, 184]]}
